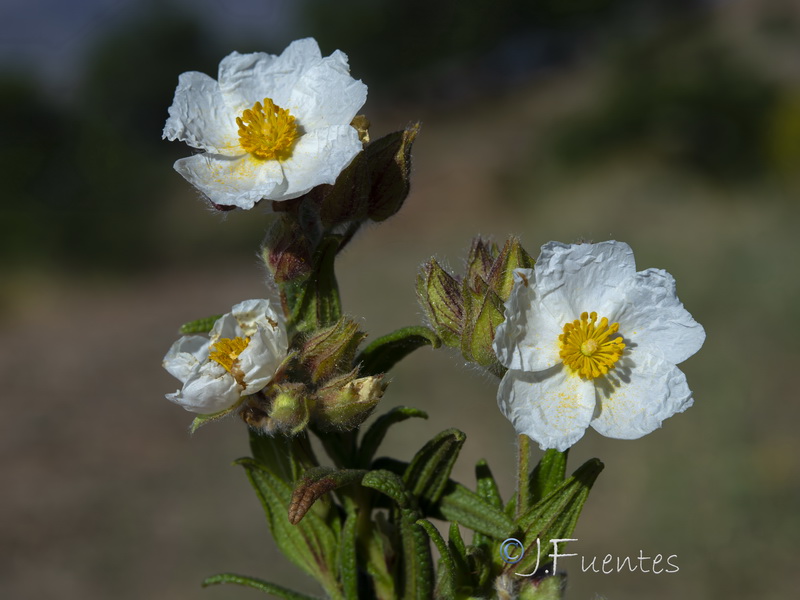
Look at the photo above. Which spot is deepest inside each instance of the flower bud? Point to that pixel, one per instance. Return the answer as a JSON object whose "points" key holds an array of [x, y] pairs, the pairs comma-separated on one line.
{"points": [[483, 312], [480, 260], [331, 350], [389, 163], [287, 251], [512, 256], [290, 408], [345, 402], [440, 297]]}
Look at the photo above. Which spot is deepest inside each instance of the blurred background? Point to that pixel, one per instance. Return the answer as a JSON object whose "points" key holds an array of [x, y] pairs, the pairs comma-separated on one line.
{"points": [[673, 125]]}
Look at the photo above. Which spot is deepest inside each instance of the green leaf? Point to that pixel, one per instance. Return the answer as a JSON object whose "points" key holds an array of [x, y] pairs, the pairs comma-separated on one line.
{"points": [[417, 562], [459, 504], [312, 544], [201, 420], [348, 565], [382, 354], [489, 493], [373, 437], [548, 474], [429, 471], [446, 578], [390, 485], [199, 326], [285, 457], [555, 516], [259, 584], [315, 483]]}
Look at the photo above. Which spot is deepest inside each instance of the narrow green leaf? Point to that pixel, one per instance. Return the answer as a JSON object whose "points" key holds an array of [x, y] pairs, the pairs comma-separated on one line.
{"points": [[382, 354], [201, 420], [373, 437], [285, 457], [348, 565], [199, 326], [259, 584], [446, 578], [555, 516], [548, 474], [389, 484], [417, 561], [456, 543], [312, 544], [468, 509], [429, 470], [316, 482], [487, 486]]}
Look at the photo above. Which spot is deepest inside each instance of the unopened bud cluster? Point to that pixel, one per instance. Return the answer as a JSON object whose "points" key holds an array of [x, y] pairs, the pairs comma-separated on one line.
{"points": [[318, 385], [464, 311]]}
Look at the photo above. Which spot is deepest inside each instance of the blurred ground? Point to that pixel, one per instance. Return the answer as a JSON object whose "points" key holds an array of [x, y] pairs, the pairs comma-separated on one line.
{"points": [[106, 495]]}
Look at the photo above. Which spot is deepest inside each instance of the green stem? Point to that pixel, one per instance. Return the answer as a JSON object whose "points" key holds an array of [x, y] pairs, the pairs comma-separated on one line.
{"points": [[523, 486]]}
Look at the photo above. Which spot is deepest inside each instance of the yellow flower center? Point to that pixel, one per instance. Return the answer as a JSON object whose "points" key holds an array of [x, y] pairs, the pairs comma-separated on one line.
{"points": [[267, 131], [226, 351], [589, 348]]}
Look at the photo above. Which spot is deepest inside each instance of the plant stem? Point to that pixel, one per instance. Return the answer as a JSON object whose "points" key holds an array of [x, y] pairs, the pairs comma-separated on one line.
{"points": [[523, 485]]}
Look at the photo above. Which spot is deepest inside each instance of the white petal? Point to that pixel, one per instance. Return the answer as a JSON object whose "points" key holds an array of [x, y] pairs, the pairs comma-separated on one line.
{"points": [[327, 95], [210, 389], [654, 321], [635, 398], [317, 158], [251, 313], [576, 278], [225, 327], [259, 361], [200, 117], [528, 338], [245, 79], [552, 407], [233, 181], [185, 356]]}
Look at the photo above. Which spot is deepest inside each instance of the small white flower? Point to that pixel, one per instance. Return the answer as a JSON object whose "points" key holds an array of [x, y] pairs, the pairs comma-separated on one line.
{"points": [[272, 127], [239, 358], [589, 341]]}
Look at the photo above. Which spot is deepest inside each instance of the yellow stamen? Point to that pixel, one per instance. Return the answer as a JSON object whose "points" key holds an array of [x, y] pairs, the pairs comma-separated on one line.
{"points": [[267, 132], [588, 348], [226, 351]]}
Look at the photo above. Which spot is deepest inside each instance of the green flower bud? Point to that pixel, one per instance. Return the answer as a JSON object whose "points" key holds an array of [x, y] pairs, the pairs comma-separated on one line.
{"points": [[481, 258], [290, 408], [346, 402], [331, 350], [483, 312], [440, 297], [512, 256], [389, 162]]}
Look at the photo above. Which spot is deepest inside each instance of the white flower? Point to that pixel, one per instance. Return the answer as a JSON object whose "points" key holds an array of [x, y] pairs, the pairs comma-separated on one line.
{"points": [[272, 127], [589, 341], [240, 357]]}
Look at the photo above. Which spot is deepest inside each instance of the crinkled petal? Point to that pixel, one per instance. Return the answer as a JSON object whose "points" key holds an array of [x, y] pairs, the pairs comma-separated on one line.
{"points": [[318, 157], [200, 117], [185, 356], [633, 400], [528, 338], [208, 390], [233, 181], [327, 95], [653, 320], [259, 361], [576, 278], [252, 313], [245, 79], [552, 407]]}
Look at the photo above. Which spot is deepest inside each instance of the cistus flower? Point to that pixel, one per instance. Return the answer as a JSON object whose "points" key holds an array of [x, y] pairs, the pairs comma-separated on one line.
{"points": [[588, 341], [271, 127], [239, 357]]}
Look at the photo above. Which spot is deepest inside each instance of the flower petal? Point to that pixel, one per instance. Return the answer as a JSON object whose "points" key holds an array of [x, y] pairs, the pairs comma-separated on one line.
{"points": [[552, 407], [319, 157], [245, 79], [208, 390], [327, 95], [635, 398], [576, 278], [259, 361], [653, 320], [185, 355], [200, 117], [233, 181], [528, 338]]}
